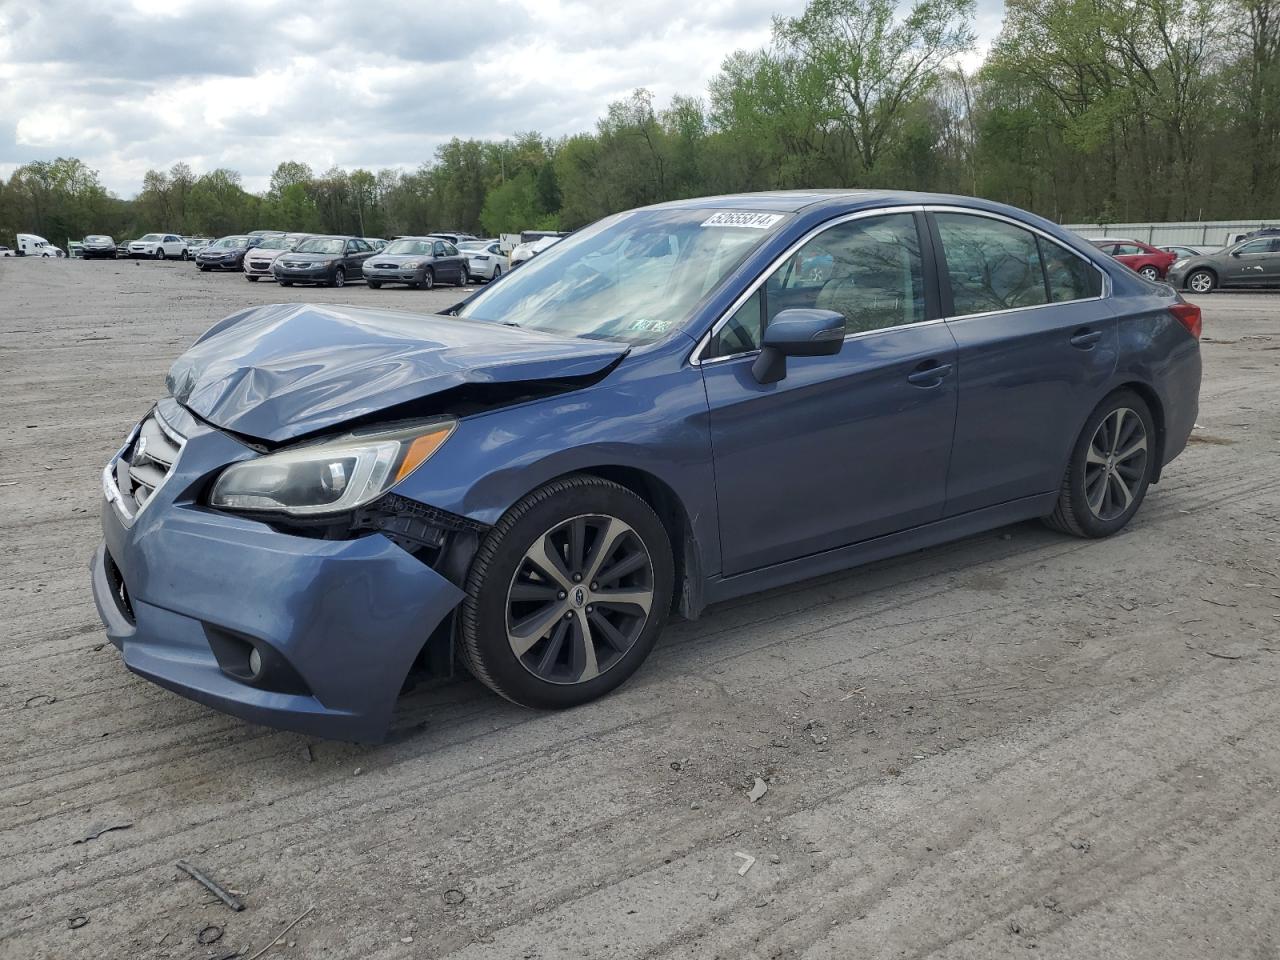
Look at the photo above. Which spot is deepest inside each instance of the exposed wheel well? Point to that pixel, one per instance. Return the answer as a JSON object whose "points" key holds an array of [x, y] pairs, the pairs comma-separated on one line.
{"points": [[1157, 414], [687, 596]]}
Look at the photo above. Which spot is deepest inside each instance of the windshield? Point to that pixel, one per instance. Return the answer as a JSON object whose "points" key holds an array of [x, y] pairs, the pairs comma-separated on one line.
{"points": [[229, 243], [321, 245], [152, 237], [274, 243], [632, 277], [472, 246], [408, 248], [95, 238]]}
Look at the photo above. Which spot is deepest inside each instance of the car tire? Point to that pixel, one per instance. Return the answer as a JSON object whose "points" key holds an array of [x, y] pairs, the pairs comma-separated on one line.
{"points": [[285, 283], [339, 278], [374, 284], [509, 596], [497, 272], [1111, 467], [1201, 281], [464, 278], [1149, 273], [252, 278], [159, 254], [185, 255], [202, 268], [428, 279]]}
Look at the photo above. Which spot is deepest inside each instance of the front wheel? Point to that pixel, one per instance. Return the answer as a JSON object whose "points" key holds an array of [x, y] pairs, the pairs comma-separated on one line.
{"points": [[1202, 281], [202, 268], [428, 279], [252, 278], [1110, 469], [567, 594], [159, 253], [339, 278], [464, 277], [184, 254], [286, 283], [1149, 273], [374, 284]]}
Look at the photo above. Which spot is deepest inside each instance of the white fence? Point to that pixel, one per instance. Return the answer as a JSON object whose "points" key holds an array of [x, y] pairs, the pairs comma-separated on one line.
{"points": [[1203, 233]]}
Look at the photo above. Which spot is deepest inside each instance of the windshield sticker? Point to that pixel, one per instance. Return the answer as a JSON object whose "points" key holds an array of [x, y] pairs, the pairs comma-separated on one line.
{"points": [[650, 326], [753, 221]]}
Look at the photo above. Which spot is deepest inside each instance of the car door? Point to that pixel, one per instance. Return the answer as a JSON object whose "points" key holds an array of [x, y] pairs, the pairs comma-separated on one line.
{"points": [[847, 447], [445, 269], [1037, 345], [457, 258], [1250, 263]]}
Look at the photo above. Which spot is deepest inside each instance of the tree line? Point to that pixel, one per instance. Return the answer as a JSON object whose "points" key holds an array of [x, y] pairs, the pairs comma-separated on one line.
{"points": [[1083, 110]]}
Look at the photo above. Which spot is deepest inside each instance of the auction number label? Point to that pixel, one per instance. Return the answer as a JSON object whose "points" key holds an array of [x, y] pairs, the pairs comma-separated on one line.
{"points": [[753, 221]]}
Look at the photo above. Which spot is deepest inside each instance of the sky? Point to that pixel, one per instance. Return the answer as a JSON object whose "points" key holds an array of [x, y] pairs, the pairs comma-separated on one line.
{"points": [[128, 85]]}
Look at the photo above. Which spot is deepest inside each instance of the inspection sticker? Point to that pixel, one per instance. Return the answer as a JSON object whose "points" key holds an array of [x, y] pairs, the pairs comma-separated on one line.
{"points": [[731, 218]]}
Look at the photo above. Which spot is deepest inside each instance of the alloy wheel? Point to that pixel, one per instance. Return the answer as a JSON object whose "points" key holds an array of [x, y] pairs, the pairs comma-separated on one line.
{"points": [[1201, 281], [1151, 273], [1116, 463], [579, 599], [339, 277]]}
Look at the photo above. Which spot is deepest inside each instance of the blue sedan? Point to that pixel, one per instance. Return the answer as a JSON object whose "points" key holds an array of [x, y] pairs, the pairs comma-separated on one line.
{"points": [[675, 406]]}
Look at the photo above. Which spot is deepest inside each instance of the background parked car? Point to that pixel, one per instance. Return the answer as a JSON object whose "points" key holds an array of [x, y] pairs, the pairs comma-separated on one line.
{"points": [[1251, 263], [225, 253], [420, 262], [259, 258], [527, 251], [160, 246], [376, 242], [1181, 250], [196, 244], [452, 237], [325, 261], [98, 246], [34, 245], [1142, 258], [6, 251], [485, 259]]}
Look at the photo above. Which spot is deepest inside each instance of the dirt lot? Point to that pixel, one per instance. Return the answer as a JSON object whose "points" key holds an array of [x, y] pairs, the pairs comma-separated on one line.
{"points": [[1016, 741]]}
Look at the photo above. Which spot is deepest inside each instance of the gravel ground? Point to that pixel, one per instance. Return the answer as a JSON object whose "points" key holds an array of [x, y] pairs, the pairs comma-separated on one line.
{"points": [[1018, 740]]}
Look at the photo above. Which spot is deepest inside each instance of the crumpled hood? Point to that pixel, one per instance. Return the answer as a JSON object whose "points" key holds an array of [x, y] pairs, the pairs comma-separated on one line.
{"points": [[278, 372]]}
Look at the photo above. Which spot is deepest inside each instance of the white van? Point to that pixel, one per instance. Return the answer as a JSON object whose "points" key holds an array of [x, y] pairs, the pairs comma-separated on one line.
{"points": [[30, 245]]}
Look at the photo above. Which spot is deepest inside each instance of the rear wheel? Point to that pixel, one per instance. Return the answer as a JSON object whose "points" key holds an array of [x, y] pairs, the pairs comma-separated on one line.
{"points": [[1110, 469], [1150, 273], [497, 272], [1202, 281], [567, 594]]}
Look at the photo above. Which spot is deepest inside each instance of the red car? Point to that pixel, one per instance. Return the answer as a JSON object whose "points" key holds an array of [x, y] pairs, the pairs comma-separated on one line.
{"points": [[1152, 262]]}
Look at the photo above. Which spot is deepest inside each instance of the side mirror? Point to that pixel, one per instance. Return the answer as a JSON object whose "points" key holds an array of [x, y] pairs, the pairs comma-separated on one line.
{"points": [[797, 333], [1235, 253]]}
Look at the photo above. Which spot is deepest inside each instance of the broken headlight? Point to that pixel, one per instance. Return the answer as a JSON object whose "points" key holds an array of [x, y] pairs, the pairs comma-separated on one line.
{"points": [[330, 476]]}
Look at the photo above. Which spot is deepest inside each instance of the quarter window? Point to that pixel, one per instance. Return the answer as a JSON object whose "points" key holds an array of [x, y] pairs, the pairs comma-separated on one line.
{"points": [[1128, 250], [1068, 276], [869, 270]]}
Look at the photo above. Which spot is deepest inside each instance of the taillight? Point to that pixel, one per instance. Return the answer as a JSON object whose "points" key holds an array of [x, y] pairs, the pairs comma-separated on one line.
{"points": [[1187, 314]]}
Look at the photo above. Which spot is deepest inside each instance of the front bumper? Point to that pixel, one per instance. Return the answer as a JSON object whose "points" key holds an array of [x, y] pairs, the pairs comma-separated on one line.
{"points": [[218, 264], [255, 271], [314, 275], [179, 585], [393, 275]]}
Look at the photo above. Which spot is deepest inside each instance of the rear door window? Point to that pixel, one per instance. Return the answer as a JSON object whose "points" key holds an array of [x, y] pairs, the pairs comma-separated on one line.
{"points": [[991, 265], [1068, 276]]}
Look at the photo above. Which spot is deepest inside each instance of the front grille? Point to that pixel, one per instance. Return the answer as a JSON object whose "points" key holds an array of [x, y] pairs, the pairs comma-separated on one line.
{"points": [[260, 264], [144, 466], [386, 266]]}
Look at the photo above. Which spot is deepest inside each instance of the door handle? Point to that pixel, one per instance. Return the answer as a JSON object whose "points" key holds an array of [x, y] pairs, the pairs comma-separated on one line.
{"points": [[1086, 338], [930, 373]]}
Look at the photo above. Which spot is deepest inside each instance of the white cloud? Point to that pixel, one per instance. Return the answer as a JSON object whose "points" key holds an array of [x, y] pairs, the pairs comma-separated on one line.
{"points": [[127, 86]]}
